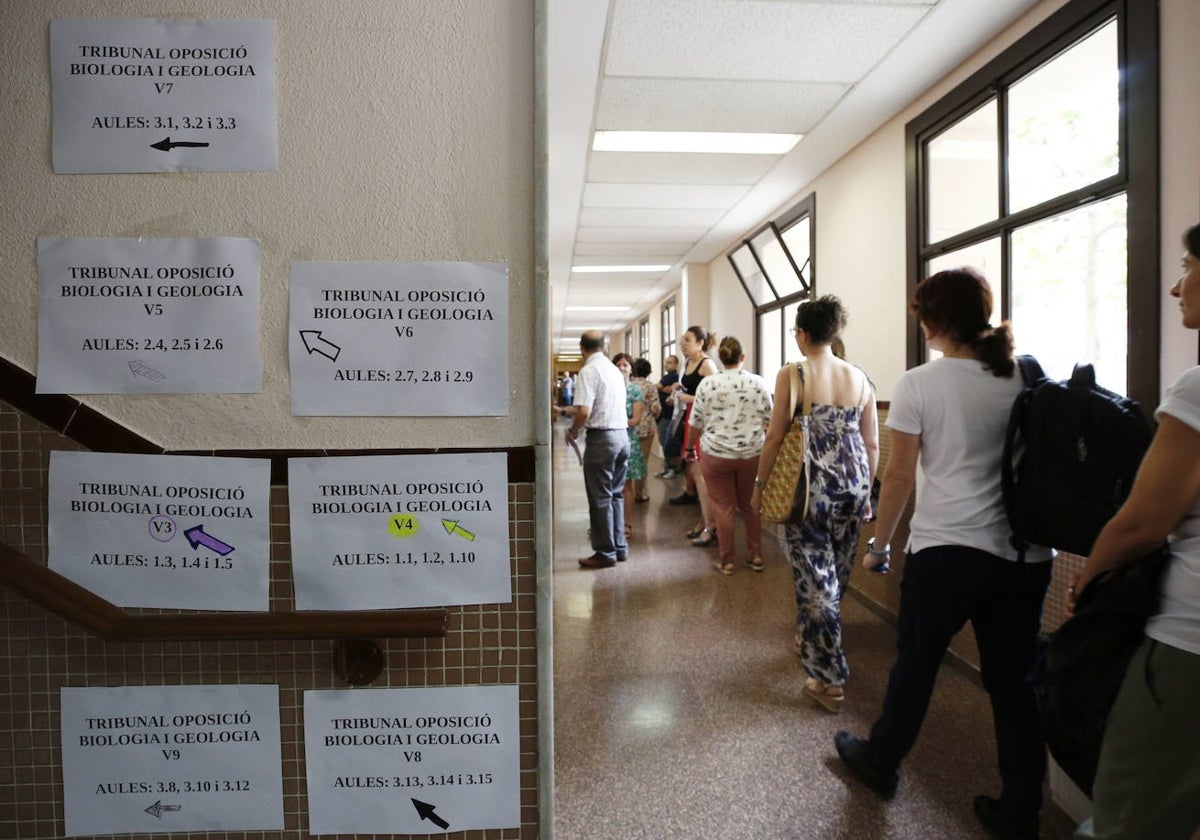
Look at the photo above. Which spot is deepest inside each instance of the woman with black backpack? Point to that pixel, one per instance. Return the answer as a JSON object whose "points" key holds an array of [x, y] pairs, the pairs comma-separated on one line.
{"points": [[949, 417]]}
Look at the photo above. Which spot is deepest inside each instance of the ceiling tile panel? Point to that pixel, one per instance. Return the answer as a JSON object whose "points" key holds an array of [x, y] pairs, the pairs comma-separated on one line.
{"points": [[626, 217], [657, 258], [640, 234], [754, 39], [662, 195], [639, 104], [669, 252], [662, 168]]}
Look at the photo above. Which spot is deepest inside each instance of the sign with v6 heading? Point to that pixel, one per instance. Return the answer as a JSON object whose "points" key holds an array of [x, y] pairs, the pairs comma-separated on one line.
{"points": [[399, 339]]}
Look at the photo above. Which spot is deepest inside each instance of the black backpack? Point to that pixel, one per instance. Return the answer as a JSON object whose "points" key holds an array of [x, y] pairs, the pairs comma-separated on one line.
{"points": [[1080, 447]]}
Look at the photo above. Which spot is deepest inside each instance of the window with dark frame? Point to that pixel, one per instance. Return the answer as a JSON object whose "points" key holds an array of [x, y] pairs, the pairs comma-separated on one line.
{"points": [[644, 338], [1042, 171], [670, 341], [775, 267]]}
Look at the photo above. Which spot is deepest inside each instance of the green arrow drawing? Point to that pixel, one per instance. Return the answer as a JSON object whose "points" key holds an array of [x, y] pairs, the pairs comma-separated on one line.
{"points": [[451, 526]]}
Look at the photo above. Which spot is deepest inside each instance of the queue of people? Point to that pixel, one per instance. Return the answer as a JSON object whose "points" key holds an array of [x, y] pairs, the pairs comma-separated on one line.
{"points": [[947, 419]]}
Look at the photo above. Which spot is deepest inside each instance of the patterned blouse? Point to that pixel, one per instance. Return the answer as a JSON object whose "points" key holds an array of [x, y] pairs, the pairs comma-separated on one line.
{"points": [[733, 408], [649, 424]]}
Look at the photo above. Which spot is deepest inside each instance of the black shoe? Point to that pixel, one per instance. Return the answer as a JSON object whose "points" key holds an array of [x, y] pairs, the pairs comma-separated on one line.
{"points": [[597, 561], [1000, 823], [621, 556], [685, 499], [856, 755]]}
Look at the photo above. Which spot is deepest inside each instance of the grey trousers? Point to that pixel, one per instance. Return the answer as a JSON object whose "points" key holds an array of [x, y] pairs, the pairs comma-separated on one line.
{"points": [[605, 461], [1148, 783]]}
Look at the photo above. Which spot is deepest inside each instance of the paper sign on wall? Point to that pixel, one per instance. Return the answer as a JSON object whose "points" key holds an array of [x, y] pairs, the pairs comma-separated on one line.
{"points": [[412, 760], [377, 532], [171, 758], [149, 95], [148, 316], [399, 339], [168, 531]]}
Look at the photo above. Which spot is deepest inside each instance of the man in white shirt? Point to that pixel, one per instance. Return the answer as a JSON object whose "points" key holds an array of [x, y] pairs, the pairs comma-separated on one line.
{"points": [[600, 409]]}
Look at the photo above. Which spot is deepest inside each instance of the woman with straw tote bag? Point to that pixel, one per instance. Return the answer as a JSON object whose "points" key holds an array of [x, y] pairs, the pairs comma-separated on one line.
{"points": [[789, 474], [823, 457]]}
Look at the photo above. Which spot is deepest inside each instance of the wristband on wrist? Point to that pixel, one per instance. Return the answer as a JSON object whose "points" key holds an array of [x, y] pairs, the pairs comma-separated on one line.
{"points": [[878, 552], [757, 482]]}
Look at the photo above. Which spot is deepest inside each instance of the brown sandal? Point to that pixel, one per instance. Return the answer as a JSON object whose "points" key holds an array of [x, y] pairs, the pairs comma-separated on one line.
{"points": [[723, 568], [828, 697]]}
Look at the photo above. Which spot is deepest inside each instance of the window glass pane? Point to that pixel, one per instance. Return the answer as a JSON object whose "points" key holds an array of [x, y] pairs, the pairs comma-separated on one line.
{"points": [[1063, 122], [984, 256], [791, 352], [963, 174], [1069, 291], [769, 349], [779, 269], [760, 292], [796, 238]]}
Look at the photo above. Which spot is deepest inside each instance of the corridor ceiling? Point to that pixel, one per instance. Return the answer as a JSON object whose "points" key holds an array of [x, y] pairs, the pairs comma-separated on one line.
{"points": [[830, 70]]}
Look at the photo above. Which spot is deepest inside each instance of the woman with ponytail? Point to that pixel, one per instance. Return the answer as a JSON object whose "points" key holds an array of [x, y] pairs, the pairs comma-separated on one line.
{"points": [[948, 417]]}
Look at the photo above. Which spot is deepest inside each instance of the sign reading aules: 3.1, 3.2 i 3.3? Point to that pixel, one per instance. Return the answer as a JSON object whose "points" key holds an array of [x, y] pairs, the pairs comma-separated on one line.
{"points": [[150, 95]]}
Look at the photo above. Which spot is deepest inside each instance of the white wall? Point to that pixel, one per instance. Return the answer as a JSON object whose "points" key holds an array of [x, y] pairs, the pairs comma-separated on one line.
{"points": [[405, 133]]}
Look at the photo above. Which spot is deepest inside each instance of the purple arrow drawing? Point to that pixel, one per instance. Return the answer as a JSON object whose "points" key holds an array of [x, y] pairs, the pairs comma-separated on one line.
{"points": [[196, 536]]}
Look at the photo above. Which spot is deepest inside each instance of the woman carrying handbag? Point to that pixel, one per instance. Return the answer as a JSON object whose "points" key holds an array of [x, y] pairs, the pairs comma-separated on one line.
{"points": [[842, 456]]}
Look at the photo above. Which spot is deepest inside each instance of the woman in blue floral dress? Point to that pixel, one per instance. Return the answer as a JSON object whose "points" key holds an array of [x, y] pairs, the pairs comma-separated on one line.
{"points": [[635, 407], [843, 457]]}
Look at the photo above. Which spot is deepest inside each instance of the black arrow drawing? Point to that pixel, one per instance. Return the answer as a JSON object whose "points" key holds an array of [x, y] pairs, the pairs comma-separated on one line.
{"points": [[156, 810], [426, 812], [313, 342], [165, 145]]}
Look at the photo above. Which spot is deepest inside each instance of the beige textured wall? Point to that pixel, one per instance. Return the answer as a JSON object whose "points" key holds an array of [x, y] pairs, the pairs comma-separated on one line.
{"points": [[405, 133]]}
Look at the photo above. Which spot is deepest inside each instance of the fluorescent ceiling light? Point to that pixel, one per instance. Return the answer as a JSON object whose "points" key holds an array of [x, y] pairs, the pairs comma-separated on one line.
{"points": [[609, 269], [598, 308], [711, 142]]}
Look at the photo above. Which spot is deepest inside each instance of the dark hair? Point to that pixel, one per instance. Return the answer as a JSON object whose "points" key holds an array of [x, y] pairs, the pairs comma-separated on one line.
{"points": [[641, 368], [616, 360], [703, 336], [822, 318], [957, 302], [730, 351], [1191, 241]]}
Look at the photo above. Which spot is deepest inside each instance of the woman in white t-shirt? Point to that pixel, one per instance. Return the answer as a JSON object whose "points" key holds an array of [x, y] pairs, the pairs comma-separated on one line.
{"points": [[949, 417], [1148, 781]]}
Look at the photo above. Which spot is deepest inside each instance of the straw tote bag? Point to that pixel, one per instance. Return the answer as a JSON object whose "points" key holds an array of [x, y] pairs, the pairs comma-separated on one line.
{"points": [[789, 475]]}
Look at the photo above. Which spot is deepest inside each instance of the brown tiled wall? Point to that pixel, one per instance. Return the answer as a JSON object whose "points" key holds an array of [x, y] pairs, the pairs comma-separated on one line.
{"points": [[883, 591], [40, 653]]}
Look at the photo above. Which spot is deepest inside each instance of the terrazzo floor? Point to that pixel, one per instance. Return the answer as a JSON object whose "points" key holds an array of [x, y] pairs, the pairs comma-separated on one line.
{"points": [[678, 706]]}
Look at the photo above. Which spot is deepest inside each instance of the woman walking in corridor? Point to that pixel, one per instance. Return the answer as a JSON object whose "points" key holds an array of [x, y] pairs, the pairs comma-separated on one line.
{"points": [[843, 456], [731, 411], [949, 416]]}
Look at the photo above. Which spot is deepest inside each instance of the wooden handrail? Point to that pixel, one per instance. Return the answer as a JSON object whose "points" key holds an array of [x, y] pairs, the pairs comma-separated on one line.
{"points": [[80, 606]]}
